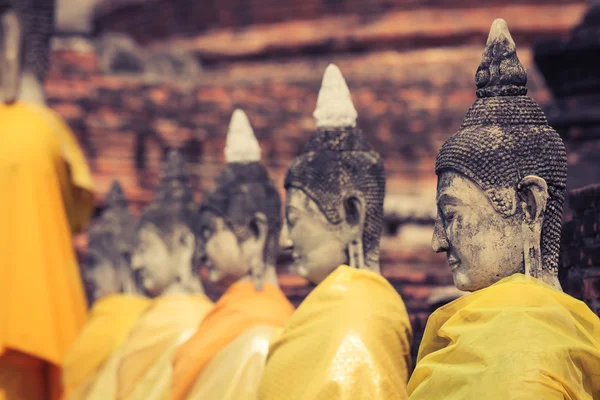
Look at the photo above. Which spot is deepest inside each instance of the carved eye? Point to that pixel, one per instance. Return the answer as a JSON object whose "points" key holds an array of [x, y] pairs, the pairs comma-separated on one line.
{"points": [[449, 217], [291, 220]]}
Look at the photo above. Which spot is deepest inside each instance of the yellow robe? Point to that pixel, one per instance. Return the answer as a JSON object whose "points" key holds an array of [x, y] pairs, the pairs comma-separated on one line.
{"points": [[349, 340], [110, 322], [46, 191], [235, 372], [148, 351], [240, 308], [517, 339]]}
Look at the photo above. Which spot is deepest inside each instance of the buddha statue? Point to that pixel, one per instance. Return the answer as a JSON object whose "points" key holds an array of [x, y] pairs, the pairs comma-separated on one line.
{"points": [[47, 197], [350, 338], [89, 370], [164, 252], [163, 256], [110, 243], [240, 224], [500, 194]]}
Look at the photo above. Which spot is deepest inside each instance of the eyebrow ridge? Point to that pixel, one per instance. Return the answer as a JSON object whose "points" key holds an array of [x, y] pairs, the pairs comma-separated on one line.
{"points": [[449, 200]]}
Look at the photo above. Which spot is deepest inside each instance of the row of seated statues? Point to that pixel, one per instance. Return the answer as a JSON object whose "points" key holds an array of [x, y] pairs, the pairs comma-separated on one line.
{"points": [[152, 333]]}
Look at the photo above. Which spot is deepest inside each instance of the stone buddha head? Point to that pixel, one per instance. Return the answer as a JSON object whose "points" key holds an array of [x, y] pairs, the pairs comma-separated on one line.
{"points": [[501, 179], [111, 237], [163, 254], [26, 28], [241, 218], [335, 190]]}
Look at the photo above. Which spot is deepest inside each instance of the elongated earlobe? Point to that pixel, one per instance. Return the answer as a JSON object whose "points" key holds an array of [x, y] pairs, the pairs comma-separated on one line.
{"points": [[356, 254], [260, 230], [355, 216], [533, 193]]}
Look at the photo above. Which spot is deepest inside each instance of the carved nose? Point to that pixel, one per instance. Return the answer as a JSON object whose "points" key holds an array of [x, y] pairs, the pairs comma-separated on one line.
{"points": [[136, 261], [439, 242], [285, 242]]}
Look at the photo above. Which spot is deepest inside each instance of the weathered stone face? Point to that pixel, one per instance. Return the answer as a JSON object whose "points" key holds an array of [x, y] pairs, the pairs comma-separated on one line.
{"points": [[163, 261], [224, 254], [481, 245], [318, 246]]}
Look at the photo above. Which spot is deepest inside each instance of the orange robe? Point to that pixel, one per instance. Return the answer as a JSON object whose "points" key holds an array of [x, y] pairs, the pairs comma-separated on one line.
{"points": [[516, 339], [46, 191], [241, 307], [234, 373], [110, 322], [147, 353], [349, 340]]}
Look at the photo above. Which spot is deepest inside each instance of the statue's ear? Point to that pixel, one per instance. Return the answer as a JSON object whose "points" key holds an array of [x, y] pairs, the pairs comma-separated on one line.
{"points": [[533, 192], [184, 237], [354, 209]]}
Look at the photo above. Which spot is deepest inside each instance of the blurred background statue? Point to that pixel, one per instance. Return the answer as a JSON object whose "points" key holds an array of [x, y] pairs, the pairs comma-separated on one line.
{"points": [[90, 367], [163, 255], [354, 322], [240, 225], [46, 197]]}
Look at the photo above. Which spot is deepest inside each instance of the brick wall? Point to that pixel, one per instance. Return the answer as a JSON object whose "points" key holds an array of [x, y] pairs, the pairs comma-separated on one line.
{"points": [[580, 250], [188, 18]]}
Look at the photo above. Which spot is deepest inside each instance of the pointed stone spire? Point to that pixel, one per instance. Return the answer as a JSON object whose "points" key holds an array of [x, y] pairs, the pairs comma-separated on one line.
{"points": [[116, 197], [241, 145], [500, 28], [500, 72], [334, 104], [115, 227], [174, 186]]}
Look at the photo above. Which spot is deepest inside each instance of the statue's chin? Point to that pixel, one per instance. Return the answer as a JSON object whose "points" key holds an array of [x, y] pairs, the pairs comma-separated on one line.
{"points": [[302, 271], [149, 286], [214, 276], [463, 281]]}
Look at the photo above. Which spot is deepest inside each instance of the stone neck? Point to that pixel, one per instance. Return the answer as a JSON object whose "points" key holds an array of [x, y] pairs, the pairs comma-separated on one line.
{"points": [[270, 276]]}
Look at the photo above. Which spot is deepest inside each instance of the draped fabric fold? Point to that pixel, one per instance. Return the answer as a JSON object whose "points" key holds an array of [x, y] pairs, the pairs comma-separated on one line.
{"points": [[517, 339], [110, 321], [349, 339], [235, 372], [157, 333], [241, 307], [46, 191]]}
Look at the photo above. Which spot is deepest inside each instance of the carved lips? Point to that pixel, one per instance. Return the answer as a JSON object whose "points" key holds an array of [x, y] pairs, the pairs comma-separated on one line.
{"points": [[453, 263]]}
